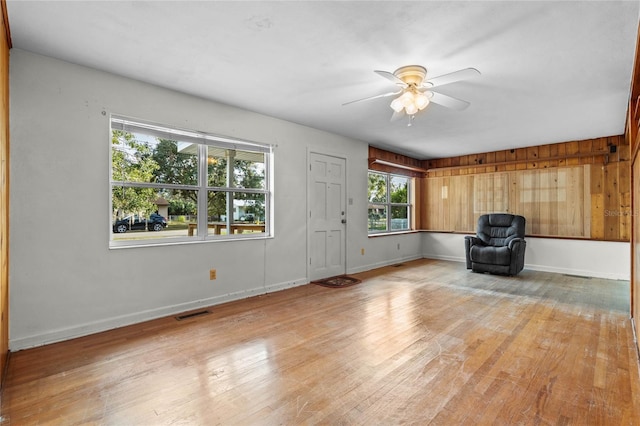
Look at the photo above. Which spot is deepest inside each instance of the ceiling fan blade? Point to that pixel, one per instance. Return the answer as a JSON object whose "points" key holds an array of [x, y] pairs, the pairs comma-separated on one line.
{"points": [[384, 95], [391, 77], [449, 101], [452, 77]]}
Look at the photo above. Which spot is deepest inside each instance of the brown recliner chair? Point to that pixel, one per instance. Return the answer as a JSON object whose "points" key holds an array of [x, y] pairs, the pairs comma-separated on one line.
{"points": [[498, 246]]}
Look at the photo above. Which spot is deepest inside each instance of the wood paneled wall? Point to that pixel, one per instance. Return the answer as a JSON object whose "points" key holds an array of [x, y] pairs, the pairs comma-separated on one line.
{"points": [[602, 151], [578, 189], [554, 201], [390, 162], [5, 45]]}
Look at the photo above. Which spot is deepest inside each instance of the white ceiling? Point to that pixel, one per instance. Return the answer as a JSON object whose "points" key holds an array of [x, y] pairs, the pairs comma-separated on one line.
{"points": [[551, 71]]}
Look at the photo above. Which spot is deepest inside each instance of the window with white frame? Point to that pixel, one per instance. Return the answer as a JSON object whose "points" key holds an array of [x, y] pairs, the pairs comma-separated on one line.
{"points": [[172, 185], [389, 198]]}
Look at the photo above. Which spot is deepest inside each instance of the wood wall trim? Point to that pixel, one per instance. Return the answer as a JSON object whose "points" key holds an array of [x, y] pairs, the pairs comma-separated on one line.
{"points": [[5, 45], [632, 130], [589, 151], [544, 237], [529, 162], [404, 165], [378, 161], [5, 21]]}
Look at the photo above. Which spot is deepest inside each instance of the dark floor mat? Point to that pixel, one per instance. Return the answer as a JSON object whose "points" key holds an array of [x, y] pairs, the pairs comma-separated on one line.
{"points": [[337, 282]]}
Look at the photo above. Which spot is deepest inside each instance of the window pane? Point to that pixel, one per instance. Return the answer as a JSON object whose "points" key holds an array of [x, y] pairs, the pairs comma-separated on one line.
{"points": [[151, 213], [138, 157], [216, 167], [377, 218], [377, 188], [158, 182], [399, 217], [177, 162], [399, 189], [249, 207], [132, 157], [248, 168], [246, 215], [183, 211]]}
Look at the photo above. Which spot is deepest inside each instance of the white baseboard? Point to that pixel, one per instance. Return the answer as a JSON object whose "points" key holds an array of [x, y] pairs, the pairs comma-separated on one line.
{"points": [[62, 334], [543, 268], [386, 262], [579, 272], [442, 257]]}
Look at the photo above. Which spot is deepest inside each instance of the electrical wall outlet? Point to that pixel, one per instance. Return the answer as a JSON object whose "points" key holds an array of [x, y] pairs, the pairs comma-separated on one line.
{"points": [[212, 274], [362, 251]]}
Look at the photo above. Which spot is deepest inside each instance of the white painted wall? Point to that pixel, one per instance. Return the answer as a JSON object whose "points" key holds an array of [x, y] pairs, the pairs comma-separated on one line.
{"points": [[387, 250], [66, 282], [576, 257]]}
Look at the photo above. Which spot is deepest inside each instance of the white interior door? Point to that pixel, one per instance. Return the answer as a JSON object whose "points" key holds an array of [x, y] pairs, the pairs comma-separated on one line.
{"points": [[327, 216]]}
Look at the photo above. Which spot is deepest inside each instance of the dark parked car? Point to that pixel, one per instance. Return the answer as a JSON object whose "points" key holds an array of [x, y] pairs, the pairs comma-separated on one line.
{"points": [[155, 223]]}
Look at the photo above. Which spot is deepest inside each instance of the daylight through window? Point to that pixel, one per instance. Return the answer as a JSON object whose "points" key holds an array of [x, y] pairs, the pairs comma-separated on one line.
{"points": [[176, 185], [389, 202]]}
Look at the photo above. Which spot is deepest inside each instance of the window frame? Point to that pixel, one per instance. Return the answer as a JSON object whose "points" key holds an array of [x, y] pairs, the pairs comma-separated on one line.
{"points": [[203, 140], [388, 204]]}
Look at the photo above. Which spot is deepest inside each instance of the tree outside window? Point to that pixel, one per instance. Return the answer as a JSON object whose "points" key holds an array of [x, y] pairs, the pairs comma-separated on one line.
{"points": [[389, 202], [209, 182]]}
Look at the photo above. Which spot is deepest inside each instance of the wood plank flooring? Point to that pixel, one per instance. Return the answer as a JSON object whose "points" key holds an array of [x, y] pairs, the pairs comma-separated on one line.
{"points": [[426, 342]]}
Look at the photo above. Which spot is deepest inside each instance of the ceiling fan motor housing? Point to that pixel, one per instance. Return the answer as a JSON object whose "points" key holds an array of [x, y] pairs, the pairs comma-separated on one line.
{"points": [[412, 75]]}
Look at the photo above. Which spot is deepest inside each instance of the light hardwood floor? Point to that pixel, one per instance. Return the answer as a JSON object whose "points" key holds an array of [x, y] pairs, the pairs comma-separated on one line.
{"points": [[425, 342]]}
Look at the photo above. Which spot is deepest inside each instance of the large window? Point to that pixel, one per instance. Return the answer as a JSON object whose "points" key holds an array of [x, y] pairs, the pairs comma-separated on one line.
{"points": [[389, 202], [176, 185]]}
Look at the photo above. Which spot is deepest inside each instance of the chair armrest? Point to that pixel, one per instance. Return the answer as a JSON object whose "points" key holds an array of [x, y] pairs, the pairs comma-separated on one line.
{"points": [[517, 247], [473, 240], [470, 241], [515, 241]]}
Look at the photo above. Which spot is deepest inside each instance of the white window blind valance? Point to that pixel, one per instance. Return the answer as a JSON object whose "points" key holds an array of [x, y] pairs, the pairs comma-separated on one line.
{"points": [[134, 126]]}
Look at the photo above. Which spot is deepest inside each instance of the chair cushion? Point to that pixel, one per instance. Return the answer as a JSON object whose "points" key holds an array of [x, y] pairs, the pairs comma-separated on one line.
{"points": [[499, 228], [490, 254]]}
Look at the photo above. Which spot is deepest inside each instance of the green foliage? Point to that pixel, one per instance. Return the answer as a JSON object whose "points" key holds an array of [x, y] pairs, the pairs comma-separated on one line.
{"points": [[132, 162], [398, 212], [217, 177], [385, 190], [377, 190], [246, 174], [178, 206], [399, 195], [176, 168], [173, 166], [161, 161]]}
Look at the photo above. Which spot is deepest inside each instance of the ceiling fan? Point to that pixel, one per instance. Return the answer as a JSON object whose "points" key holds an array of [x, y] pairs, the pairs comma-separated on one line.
{"points": [[414, 90]]}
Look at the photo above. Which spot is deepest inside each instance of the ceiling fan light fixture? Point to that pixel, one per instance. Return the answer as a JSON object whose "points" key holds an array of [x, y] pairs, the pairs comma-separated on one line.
{"points": [[411, 101], [421, 101], [411, 109], [397, 105], [406, 99]]}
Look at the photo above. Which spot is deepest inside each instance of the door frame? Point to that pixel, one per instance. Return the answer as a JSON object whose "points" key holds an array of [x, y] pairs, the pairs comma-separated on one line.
{"points": [[342, 156]]}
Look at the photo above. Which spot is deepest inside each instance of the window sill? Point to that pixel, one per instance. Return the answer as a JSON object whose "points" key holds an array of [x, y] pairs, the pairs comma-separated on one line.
{"points": [[187, 242], [387, 234]]}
